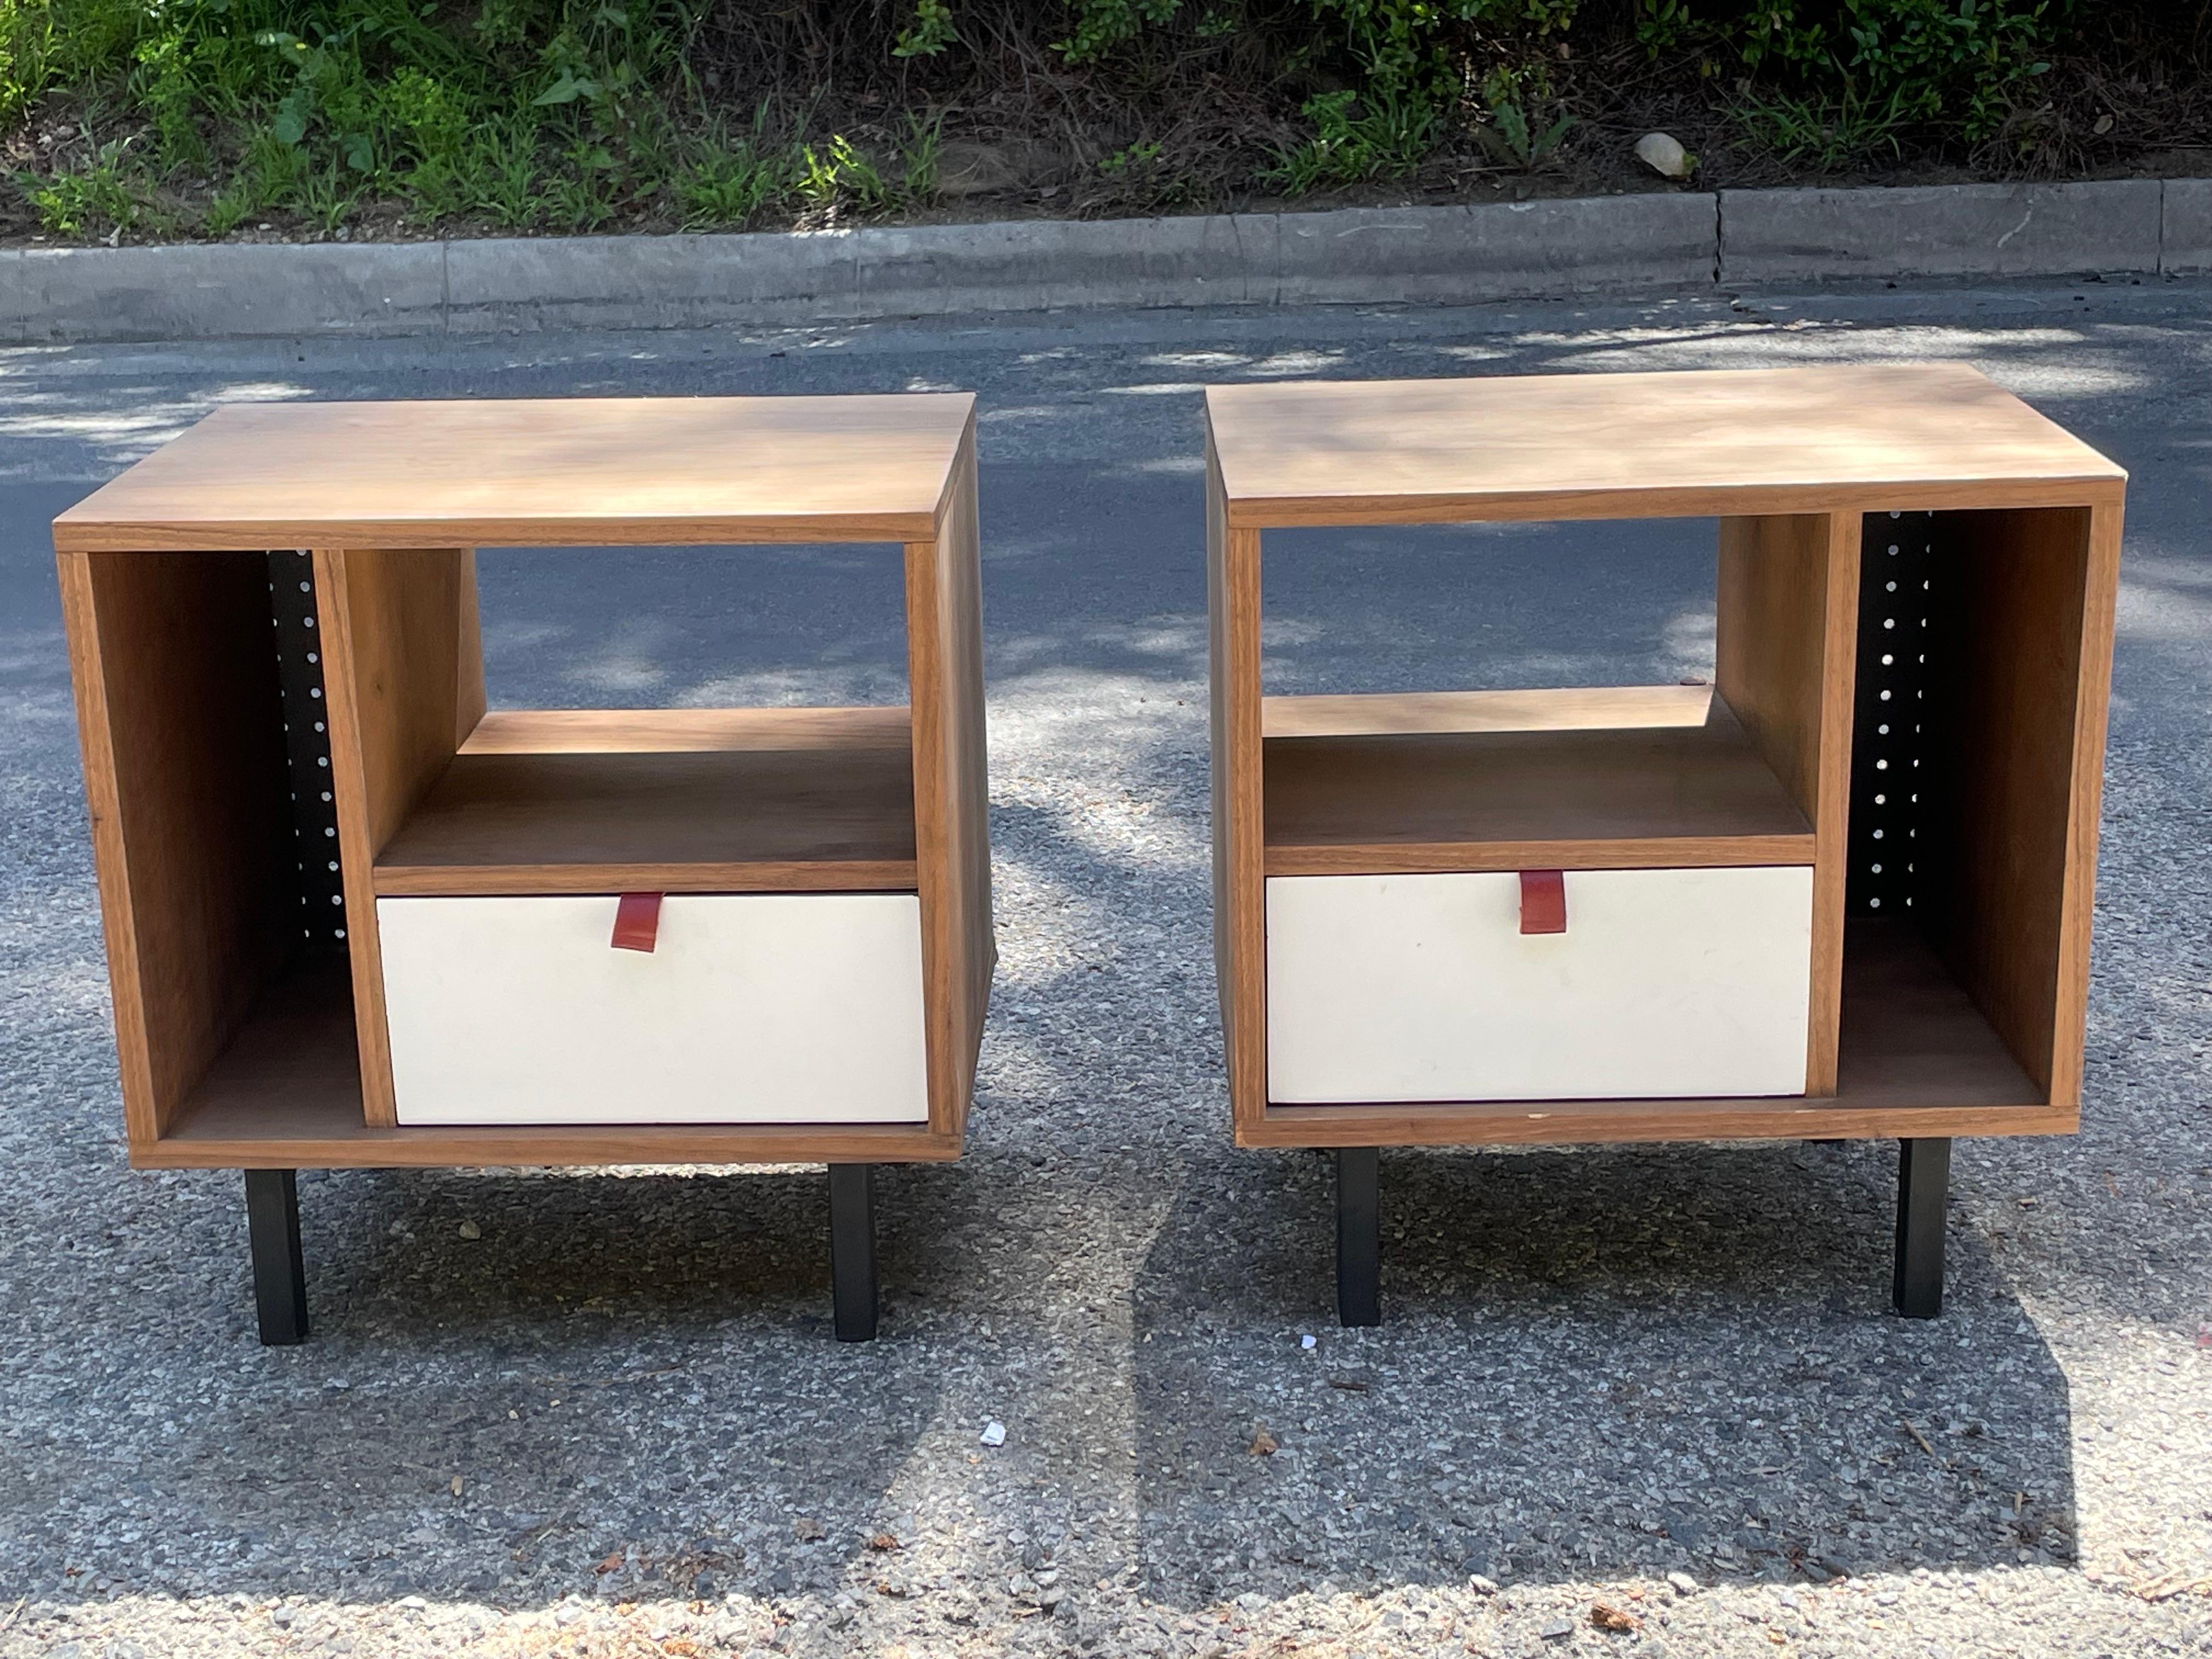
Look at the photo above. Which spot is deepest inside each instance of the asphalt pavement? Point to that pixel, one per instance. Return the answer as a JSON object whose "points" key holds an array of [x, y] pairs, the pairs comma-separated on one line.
{"points": [[546, 1410]]}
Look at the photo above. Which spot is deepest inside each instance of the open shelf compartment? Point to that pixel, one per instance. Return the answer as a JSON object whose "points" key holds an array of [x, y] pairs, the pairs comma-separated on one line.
{"points": [[1587, 779], [701, 800]]}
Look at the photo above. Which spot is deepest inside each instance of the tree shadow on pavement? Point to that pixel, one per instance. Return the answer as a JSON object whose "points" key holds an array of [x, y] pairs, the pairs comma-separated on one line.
{"points": [[1594, 1364]]}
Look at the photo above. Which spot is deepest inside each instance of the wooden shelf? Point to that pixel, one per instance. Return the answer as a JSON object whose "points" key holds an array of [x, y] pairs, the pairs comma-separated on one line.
{"points": [[1917, 1059], [672, 801], [286, 1094], [1633, 777]]}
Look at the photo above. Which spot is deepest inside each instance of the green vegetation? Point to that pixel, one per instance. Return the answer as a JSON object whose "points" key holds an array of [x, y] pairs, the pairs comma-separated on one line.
{"points": [[146, 118]]}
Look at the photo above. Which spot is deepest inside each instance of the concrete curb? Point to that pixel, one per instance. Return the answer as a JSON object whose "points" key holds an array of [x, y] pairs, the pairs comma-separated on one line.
{"points": [[1940, 230], [1663, 243]]}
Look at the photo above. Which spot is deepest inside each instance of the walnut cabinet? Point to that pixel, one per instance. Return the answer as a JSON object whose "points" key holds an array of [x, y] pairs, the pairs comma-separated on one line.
{"points": [[1843, 891], [354, 918]]}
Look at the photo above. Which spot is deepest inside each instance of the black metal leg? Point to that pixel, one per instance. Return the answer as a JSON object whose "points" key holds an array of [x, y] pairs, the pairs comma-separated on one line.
{"points": [[280, 1283], [853, 1250], [1358, 1236], [1923, 1186]]}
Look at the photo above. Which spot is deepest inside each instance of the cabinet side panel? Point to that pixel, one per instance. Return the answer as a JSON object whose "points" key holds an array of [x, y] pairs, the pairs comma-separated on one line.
{"points": [[392, 621], [952, 792], [1786, 625], [1240, 939], [2019, 756], [184, 766]]}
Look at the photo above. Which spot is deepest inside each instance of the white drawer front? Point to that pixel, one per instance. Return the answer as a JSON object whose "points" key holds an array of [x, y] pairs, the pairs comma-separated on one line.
{"points": [[1665, 983], [753, 1008]]}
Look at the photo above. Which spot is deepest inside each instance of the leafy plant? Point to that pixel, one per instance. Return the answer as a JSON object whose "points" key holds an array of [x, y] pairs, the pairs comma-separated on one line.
{"points": [[1138, 156], [1382, 135], [1509, 138], [89, 200], [924, 138], [724, 183], [1837, 81], [929, 34], [839, 176], [1827, 133]]}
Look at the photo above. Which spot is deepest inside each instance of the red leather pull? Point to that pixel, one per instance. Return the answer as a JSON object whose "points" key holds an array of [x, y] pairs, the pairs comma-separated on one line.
{"points": [[637, 921], [1543, 901]]}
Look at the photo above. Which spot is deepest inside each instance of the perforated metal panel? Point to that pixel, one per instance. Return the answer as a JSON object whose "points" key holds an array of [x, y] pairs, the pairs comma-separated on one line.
{"points": [[307, 749], [1900, 569]]}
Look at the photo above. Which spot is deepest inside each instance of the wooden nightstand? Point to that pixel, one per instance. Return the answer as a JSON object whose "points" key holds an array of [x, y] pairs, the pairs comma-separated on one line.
{"points": [[353, 920], [1842, 892]]}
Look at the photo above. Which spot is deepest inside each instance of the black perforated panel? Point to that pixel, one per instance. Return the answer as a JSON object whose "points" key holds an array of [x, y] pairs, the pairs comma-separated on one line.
{"points": [[1900, 569], [308, 748]]}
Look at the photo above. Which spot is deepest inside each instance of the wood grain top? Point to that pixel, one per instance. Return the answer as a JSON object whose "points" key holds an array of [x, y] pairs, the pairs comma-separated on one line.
{"points": [[1626, 446], [492, 472]]}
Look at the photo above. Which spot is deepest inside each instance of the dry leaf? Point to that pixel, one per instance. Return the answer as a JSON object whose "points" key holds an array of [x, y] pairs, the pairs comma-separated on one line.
{"points": [[1263, 1443], [613, 1563], [883, 1540], [1612, 1618]]}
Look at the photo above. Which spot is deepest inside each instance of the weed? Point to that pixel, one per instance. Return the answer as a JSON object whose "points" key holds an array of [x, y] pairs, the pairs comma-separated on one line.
{"points": [[90, 201], [1509, 138], [924, 138], [839, 177], [1829, 135], [725, 186], [268, 173], [930, 32], [1355, 139]]}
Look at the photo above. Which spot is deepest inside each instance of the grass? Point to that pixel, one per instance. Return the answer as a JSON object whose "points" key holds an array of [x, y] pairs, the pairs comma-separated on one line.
{"points": [[205, 116]]}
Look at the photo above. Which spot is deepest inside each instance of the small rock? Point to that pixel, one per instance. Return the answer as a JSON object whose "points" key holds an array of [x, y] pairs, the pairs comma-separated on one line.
{"points": [[1482, 1586], [1664, 155], [470, 1230], [968, 168], [1556, 1630], [808, 1530], [1683, 1584]]}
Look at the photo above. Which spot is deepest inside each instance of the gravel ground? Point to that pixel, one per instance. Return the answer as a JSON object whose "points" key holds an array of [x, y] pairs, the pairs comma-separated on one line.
{"points": [[606, 1416]]}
